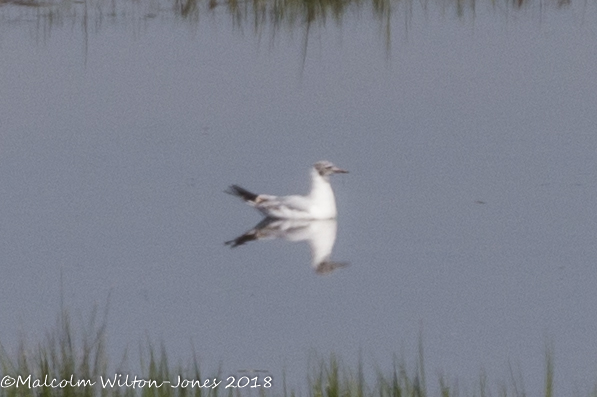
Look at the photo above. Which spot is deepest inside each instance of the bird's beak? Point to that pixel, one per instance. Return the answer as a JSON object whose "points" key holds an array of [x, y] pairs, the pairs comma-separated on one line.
{"points": [[339, 170]]}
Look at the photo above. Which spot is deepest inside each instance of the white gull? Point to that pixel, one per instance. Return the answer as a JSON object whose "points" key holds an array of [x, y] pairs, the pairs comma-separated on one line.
{"points": [[320, 203]]}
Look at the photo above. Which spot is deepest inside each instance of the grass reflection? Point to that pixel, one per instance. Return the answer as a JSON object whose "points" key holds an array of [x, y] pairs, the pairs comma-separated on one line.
{"points": [[274, 15]]}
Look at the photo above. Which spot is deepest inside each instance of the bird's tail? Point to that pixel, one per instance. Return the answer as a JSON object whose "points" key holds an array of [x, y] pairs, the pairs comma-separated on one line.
{"points": [[244, 194]]}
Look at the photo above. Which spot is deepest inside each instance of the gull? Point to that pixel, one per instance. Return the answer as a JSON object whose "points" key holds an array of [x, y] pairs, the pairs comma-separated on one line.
{"points": [[320, 234], [320, 203]]}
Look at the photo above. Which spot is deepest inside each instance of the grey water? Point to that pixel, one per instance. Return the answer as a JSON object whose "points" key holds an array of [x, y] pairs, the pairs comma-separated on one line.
{"points": [[468, 218]]}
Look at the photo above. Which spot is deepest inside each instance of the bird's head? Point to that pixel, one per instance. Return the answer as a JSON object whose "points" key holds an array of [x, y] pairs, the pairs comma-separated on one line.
{"points": [[325, 168]]}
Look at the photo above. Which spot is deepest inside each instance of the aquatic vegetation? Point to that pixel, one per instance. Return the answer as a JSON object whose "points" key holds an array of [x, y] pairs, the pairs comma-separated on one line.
{"points": [[72, 364]]}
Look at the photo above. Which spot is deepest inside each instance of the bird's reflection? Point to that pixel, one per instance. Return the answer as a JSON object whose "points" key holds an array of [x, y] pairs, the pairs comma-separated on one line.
{"points": [[320, 234]]}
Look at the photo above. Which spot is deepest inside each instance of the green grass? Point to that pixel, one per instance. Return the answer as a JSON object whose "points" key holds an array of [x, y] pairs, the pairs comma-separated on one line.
{"points": [[65, 353]]}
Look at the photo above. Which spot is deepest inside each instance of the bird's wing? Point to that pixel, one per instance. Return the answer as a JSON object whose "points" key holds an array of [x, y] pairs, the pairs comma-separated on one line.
{"points": [[297, 203], [283, 207]]}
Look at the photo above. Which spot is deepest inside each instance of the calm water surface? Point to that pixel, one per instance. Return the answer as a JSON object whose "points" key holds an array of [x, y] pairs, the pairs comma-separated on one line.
{"points": [[468, 216]]}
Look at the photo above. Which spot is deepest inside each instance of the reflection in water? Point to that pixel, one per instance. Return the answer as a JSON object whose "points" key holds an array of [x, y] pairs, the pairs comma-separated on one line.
{"points": [[320, 234], [273, 16]]}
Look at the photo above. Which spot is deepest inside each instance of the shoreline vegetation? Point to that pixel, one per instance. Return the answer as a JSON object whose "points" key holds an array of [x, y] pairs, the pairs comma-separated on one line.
{"points": [[73, 364]]}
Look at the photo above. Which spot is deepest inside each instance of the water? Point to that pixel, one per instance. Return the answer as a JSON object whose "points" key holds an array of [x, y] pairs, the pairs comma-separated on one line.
{"points": [[467, 217]]}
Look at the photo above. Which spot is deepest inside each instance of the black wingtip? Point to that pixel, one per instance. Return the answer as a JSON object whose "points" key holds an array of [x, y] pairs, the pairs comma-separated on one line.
{"points": [[238, 191], [242, 240]]}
